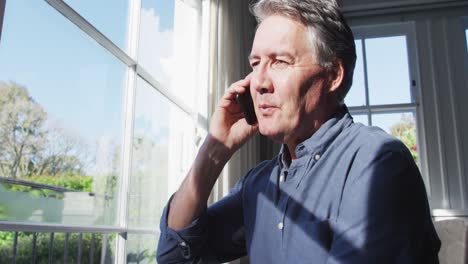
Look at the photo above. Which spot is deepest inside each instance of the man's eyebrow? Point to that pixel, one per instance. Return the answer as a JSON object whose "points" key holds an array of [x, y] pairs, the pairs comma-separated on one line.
{"points": [[283, 54], [274, 54], [251, 57]]}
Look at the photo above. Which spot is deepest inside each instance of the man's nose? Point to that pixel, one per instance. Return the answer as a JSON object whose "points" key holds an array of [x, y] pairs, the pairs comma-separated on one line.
{"points": [[261, 81]]}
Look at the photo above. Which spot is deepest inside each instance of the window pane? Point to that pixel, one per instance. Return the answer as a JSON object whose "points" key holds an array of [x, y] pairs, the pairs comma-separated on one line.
{"points": [[168, 47], [141, 248], [163, 146], [108, 16], [402, 126], [361, 119], [61, 95], [156, 44], [357, 94], [388, 71]]}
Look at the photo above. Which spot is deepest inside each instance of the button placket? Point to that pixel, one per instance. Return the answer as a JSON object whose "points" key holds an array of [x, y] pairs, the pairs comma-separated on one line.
{"points": [[282, 204], [285, 193], [281, 225], [282, 177], [317, 156], [283, 222]]}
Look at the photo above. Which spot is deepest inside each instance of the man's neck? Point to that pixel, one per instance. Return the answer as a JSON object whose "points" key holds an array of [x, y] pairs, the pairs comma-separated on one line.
{"points": [[293, 143], [318, 123]]}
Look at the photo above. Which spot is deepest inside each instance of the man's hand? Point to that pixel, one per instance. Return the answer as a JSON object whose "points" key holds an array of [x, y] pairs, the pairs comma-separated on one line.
{"points": [[228, 131], [228, 124]]}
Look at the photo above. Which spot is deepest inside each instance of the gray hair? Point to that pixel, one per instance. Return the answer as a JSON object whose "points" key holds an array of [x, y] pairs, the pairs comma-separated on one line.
{"points": [[330, 35]]}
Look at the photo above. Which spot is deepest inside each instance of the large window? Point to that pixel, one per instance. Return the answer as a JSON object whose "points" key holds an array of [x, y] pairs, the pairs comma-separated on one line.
{"points": [[92, 123], [108, 16], [163, 142], [61, 118], [385, 87]]}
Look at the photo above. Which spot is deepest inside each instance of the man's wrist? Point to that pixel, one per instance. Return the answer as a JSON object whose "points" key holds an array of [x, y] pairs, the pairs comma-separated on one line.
{"points": [[209, 163], [215, 150]]}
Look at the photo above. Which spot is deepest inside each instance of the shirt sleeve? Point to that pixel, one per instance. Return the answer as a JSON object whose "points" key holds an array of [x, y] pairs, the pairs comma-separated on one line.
{"points": [[215, 236], [384, 215]]}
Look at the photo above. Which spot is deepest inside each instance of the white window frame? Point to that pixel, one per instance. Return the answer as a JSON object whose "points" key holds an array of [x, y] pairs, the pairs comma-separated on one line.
{"points": [[388, 30], [2, 13]]}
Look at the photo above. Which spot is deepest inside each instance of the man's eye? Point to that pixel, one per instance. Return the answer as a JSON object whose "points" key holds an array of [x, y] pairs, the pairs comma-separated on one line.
{"points": [[253, 64]]}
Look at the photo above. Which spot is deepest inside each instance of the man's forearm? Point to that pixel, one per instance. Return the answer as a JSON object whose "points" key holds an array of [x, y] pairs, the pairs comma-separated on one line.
{"points": [[191, 198]]}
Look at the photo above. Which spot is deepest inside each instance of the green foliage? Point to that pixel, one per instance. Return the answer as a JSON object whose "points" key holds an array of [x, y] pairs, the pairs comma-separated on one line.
{"points": [[6, 238], [69, 181], [25, 242], [3, 211], [405, 130], [31, 191]]}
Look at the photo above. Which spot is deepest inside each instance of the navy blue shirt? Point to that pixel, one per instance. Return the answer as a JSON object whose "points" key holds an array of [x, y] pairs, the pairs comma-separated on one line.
{"points": [[353, 195]]}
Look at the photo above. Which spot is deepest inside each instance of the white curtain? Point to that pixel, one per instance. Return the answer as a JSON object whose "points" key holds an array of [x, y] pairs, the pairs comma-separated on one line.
{"points": [[227, 34], [231, 31]]}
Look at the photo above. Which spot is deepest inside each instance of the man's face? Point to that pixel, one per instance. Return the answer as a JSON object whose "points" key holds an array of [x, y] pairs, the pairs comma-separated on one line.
{"points": [[287, 85]]}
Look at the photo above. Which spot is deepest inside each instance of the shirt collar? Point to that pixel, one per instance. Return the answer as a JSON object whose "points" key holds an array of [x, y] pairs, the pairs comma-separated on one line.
{"points": [[322, 138]]}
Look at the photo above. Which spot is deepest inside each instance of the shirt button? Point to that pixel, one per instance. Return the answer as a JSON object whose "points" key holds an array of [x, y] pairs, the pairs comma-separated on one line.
{"points": [[280, 225], [317, 157], [281, 178]]}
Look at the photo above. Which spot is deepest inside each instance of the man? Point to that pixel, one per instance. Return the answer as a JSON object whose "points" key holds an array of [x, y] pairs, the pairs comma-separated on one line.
{"points": [[338, 192]]}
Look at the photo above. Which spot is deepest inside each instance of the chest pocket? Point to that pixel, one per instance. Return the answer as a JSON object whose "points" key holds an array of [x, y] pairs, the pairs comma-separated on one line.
{"points": [[308, 240]]}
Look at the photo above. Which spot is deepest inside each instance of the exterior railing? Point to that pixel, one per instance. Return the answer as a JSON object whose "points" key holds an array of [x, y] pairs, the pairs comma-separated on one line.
{"points": [[43, 243], [93, 257]]}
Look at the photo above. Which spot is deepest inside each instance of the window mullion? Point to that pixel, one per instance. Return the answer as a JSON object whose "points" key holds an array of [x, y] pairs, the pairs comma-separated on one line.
{"points": [[129, 109], [91, 30], [366, 81], [2, 13]]}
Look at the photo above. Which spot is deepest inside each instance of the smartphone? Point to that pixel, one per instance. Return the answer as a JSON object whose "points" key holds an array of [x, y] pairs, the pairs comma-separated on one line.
{"points": [[246, 105]]}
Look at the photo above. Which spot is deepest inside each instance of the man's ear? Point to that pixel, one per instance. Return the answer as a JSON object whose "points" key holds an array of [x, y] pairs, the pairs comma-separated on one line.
{"points": [[336, 76]]}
